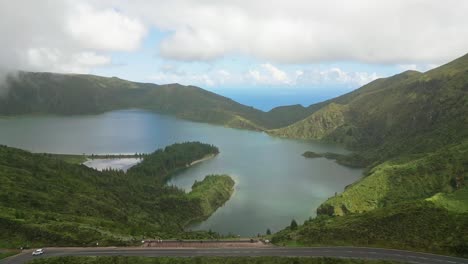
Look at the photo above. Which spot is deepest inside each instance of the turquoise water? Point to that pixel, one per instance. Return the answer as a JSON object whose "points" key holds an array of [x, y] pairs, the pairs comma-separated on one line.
{"points": [[274, 183]]}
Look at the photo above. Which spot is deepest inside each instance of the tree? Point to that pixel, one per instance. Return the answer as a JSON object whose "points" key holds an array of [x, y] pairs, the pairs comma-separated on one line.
{"points": [[268, 232], [293, 225]]}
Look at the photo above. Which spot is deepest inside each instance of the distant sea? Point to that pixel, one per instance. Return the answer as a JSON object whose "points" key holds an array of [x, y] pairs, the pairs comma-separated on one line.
{"points": [[266, 101]]}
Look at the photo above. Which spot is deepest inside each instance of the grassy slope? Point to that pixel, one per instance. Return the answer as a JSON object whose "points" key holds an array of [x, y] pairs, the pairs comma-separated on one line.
{"points": [[66, 94], [402, 179], [419, 226], [408, 113], [411, 130], [8, 253], [318, 125], [455, 201], [202, 260], [48, 201]]}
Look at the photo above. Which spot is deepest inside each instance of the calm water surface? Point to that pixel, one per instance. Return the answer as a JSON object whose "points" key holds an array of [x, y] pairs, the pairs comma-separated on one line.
{"points": [[274, 183], [119, 164]]}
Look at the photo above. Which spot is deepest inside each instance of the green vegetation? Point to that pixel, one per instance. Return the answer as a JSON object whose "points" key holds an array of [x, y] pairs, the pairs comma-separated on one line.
{"points": [[72, 94], [455, 201], [8, 253], [70, 158], [408, 113], [47, 201], [212, 192], [319, 125], [419, 226], [293, 225], [401, 180], [411, 132], [201, 260]]}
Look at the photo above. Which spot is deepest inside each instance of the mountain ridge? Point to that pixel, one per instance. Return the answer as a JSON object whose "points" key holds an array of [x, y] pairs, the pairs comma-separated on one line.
{"points": [[71, 94]]}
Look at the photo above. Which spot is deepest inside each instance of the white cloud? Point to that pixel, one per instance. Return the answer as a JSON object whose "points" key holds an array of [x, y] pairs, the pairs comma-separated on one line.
{"points": [[79, 35], [418, 67], [105, 29], [59, 61], [267, 75], [304, 31], [335, 76], [63, 36], [172, 74]]}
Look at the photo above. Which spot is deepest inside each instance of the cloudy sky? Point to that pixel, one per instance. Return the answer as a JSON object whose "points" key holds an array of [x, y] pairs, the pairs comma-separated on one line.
{"points": [[263, 52]]}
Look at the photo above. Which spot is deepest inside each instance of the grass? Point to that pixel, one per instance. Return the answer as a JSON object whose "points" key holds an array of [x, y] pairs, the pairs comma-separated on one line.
{"points": [[456, 201], [404, 179], [8, 253], [202, 260], [417, 226]]}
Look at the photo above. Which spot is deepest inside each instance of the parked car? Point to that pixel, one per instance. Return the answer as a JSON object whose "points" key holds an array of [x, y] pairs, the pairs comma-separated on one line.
{"points": [[38, 252]]}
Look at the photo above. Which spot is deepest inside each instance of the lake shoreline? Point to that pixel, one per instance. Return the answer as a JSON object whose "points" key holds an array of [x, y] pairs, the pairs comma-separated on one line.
{"points": [[266, 168], [205, 158]]}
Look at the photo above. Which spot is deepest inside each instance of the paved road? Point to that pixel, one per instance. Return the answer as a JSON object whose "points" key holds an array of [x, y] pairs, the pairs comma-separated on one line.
{"points": [[340, 252]]}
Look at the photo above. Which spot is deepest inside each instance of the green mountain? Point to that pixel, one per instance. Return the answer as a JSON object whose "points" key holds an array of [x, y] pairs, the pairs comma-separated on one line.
{"points": [[46, 201], [410, 112], [72, 94], [411, 128], [411, 131]]}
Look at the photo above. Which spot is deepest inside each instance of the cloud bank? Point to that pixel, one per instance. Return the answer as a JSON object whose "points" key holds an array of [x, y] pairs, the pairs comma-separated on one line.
{"points": [[265, 74], [303, 31], [81, 35]]}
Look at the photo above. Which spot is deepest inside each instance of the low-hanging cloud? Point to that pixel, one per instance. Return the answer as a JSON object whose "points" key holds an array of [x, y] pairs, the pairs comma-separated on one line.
{"points": [[6, 75]]}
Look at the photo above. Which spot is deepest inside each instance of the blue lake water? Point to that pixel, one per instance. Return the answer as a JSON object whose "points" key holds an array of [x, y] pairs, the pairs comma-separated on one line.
{"points": [[274, 183]]}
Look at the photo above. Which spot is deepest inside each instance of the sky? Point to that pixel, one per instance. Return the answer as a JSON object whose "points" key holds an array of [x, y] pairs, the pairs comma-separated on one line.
{"points": [[262, 53]]}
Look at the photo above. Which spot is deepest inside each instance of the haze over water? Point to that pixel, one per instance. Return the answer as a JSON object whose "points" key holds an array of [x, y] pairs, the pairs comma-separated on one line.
{"points": [[274, 183]]}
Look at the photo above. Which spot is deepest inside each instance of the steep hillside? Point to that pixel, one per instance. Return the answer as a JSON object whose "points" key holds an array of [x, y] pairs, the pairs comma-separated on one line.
{"points": [[407, 113], [412, 128], [319, 125], [411, 131], [417, 226], [403, 179], [46, 201]]}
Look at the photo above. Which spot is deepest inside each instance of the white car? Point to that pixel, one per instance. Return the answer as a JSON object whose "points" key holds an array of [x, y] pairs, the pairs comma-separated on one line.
{"points": [[38, 252]]}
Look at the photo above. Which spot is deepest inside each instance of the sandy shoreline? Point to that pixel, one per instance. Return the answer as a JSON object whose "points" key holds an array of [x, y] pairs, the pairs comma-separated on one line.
{"points": [[207, 157]]}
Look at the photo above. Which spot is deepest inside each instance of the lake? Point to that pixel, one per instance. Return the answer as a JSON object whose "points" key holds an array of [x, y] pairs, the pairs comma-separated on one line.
{"points": [[274, 183]]}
